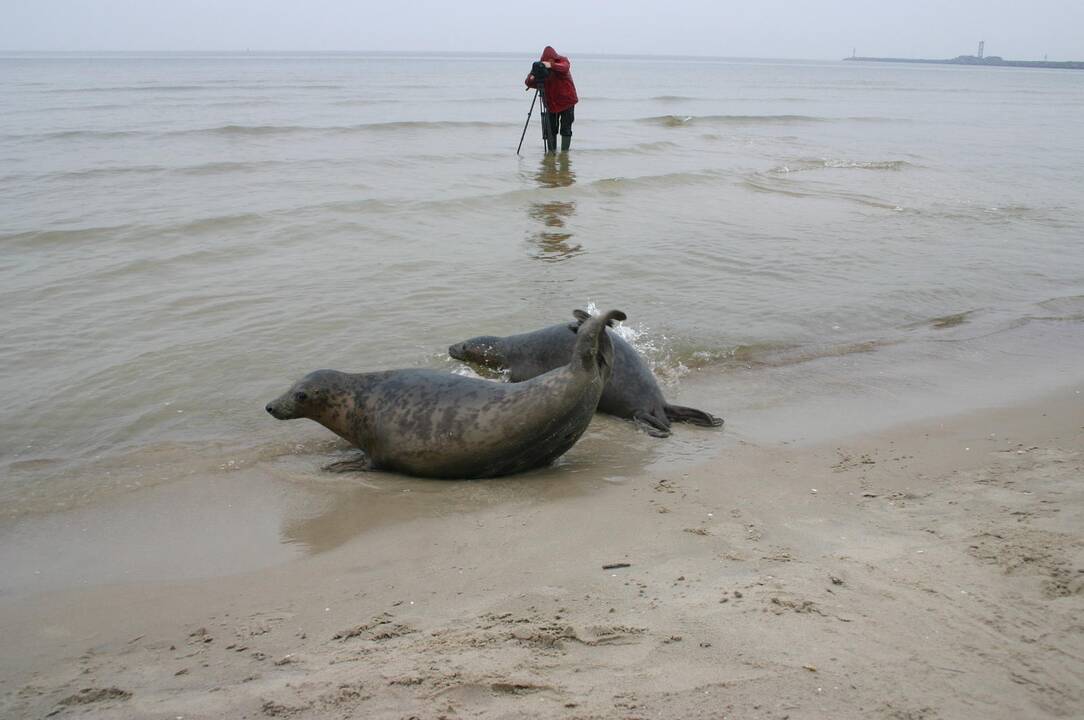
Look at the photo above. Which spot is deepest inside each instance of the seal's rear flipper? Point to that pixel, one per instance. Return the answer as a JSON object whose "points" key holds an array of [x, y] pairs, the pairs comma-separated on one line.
{"points": [[593, 348], [361, 463], [582, 316], [652, 425], [678, 413]]}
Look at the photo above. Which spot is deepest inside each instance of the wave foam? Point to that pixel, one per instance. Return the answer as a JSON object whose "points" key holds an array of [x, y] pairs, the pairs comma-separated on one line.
{"points": [[811, 164]]}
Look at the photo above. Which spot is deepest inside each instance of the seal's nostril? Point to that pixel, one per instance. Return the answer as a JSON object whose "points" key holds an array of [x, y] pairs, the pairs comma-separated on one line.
{"points": [[268, 409]]}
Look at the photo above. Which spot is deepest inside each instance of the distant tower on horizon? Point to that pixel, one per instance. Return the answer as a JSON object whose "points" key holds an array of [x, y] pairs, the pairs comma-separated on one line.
{"points": [[853, 51], [982, 44]]}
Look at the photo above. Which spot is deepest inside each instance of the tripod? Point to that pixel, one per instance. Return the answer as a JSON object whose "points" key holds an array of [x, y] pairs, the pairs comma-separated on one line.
{"points": [[548, 138]]}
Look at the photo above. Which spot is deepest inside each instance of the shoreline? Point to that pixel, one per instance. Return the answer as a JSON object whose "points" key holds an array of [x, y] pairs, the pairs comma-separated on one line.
{"points": [[934, 569], [163, 514], [972, 61]]}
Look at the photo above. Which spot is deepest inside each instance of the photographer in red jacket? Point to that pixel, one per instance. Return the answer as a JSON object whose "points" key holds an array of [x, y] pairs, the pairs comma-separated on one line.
{"points": [[560, 96]]}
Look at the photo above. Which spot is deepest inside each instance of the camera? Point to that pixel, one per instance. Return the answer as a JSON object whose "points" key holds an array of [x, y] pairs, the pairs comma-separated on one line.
{"points": [[539, 70]]}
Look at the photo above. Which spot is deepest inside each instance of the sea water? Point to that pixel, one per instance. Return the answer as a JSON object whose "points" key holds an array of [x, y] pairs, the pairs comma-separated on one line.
{"points": [[184, 235]]}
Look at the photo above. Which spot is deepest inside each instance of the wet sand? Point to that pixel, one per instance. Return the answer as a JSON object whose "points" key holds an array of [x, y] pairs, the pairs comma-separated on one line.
{"points": [[933, 570]]}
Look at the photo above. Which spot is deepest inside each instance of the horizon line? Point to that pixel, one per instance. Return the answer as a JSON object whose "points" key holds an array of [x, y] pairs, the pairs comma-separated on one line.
{"points": [[475, 53], [458, 53]]}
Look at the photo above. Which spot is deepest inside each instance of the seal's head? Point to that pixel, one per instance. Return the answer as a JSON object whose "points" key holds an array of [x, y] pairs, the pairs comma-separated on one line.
{"points": [[306, 399], [485, 350]]}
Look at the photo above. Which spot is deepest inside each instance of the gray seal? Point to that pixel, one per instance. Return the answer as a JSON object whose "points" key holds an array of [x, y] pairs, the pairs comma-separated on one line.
{"points": [[434, 424], [632, 391]]}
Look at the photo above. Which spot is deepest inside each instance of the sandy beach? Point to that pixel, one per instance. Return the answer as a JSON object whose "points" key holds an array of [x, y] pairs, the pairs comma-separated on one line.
{"points": [[934, 570]]}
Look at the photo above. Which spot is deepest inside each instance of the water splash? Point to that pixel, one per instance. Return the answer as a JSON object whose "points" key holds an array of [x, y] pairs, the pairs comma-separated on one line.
{"points": [[655, 349]]}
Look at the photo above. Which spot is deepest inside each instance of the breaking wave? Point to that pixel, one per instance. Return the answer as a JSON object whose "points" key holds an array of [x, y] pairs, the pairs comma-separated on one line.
{"points": [[242, 131], [670, 362], [776, 184], [675, 121], [807, 164]]}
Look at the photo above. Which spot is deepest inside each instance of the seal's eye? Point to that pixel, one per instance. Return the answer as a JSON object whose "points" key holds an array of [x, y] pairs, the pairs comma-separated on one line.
{"points": [[301, 396]]}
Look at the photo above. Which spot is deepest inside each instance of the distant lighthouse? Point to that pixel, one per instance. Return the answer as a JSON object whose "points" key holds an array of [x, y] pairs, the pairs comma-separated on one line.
{"points": [[982, 44]]}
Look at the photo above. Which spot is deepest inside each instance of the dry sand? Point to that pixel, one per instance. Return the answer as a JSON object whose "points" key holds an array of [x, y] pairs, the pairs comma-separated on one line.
{"points": [[933, 571]]}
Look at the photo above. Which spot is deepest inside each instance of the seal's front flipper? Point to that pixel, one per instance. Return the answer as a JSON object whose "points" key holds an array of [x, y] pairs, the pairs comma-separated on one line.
{"points": [[678, 413], [361, 463], [653, 426]]}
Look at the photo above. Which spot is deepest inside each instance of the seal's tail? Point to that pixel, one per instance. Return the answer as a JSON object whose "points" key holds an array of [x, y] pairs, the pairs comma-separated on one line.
{"points": [[679, 413], [593, 348]]}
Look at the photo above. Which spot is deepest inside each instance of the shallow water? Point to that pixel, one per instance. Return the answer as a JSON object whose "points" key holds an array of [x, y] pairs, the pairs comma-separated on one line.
{"points": [[182, 236]]}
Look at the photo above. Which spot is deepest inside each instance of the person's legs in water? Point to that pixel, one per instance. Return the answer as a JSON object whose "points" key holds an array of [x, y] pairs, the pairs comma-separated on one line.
{"points": [[567, 117]]}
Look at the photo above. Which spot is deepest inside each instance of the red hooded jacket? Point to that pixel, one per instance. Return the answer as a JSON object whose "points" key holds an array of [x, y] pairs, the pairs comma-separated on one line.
{"points": [[559, 89]]}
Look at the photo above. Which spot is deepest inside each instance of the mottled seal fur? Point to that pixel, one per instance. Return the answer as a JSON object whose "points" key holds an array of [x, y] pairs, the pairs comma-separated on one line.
{"points": [[434, 424], [632, 391]]}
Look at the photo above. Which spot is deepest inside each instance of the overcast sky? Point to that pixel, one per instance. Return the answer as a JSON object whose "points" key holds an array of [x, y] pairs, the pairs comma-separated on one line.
{"points": [[812, 29]]}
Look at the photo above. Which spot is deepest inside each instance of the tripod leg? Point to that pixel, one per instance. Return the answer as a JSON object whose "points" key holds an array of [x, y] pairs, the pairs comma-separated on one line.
{"points": [[526, 124], [549, 133]]}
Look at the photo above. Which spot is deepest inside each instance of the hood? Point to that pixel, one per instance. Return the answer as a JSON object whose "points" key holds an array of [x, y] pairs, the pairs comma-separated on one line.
{"points": [[550, 54]]}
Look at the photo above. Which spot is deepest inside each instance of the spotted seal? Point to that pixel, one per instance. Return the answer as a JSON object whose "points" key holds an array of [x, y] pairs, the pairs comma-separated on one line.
{"points": [[435, 424], [632, 391]]}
